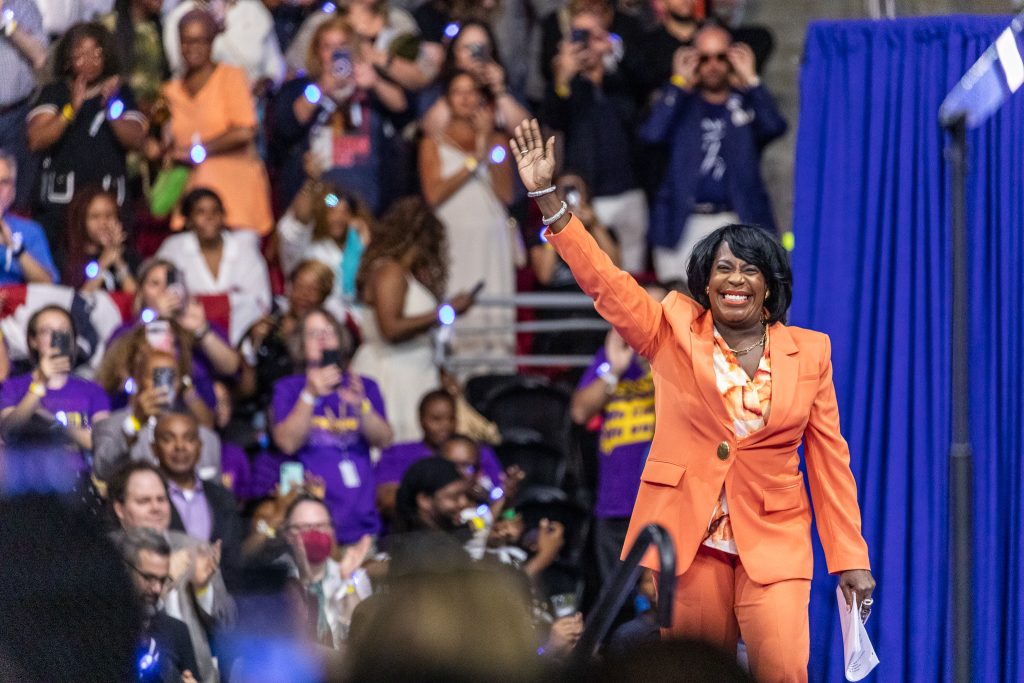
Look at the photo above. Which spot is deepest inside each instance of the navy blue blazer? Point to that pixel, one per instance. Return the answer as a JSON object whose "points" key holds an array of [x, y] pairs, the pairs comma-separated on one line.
{"points": [[674, 121]]}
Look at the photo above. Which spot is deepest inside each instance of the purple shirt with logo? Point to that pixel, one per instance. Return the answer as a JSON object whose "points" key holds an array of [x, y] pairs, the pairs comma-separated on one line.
{"points": [[394, 461], [74, 404], [338, 452], [626, 432]]}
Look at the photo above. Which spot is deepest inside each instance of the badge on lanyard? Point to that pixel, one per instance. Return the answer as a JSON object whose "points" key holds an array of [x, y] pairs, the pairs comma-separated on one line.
{"points": [[349, 474]]}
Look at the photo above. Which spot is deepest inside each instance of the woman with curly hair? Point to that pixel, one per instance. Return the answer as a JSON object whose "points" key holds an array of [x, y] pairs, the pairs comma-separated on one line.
{"points": [[82, 125], [401, 282]]}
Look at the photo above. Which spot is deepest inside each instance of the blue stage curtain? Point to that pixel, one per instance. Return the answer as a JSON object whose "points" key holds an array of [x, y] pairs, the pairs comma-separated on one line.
{"points": [[872, 269]]}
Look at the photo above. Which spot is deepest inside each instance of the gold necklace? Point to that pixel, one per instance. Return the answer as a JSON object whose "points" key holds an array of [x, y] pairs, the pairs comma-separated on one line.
{"points": [[743, 352]]}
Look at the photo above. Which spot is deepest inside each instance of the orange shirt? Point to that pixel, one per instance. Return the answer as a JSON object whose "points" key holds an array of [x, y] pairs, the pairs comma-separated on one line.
{"points": [[238, 177]]}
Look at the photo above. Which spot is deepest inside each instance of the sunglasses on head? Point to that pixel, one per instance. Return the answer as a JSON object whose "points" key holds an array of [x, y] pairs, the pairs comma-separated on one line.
{"points": [[718, 56]]}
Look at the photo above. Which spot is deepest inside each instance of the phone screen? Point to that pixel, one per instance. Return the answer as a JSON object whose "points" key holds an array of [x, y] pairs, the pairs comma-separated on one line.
{"points": [[341, 62], [330, 357], [292, 475], [580, 35], [61, 341]]}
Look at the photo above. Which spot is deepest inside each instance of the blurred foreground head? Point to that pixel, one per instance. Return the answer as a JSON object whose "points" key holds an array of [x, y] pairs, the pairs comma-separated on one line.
{"points": [[455, 623], [69, 611]]}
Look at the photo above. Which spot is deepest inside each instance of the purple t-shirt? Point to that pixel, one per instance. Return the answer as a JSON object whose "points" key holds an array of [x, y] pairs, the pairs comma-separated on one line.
{"points": [[338, 452], [626, 433], [202, 370], [74, 404], [394, 461]]}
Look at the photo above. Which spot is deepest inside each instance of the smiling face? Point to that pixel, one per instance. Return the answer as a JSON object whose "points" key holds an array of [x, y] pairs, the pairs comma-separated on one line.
{"points": [[177, 446], [87, 59], [100, 218], [736, 289], [196, 44], [713, 62], [206, 219], [464, 96]]}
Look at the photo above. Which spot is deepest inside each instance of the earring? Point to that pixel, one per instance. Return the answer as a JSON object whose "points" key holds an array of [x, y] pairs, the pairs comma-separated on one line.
{"points": [[767, 293], [707, 290]]}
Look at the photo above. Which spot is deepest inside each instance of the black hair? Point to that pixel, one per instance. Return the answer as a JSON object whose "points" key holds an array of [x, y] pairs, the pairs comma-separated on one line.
{"points": [[448, 68], [63, 66], [193, 197], [117, 487], [757, 247], [435, 395]]}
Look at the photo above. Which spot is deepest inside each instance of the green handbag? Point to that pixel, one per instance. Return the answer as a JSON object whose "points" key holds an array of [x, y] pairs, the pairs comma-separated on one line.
{"points": [[167, 190]]}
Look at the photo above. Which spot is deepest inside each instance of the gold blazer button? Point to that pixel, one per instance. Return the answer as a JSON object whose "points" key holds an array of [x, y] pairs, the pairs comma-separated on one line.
{"points": [[723, 451]]}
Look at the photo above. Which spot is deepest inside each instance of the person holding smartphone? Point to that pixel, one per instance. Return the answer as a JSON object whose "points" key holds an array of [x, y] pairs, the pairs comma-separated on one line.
{"points": [[472, 51], [344, 112], [328, 418], [159, 386], [49, 395]]}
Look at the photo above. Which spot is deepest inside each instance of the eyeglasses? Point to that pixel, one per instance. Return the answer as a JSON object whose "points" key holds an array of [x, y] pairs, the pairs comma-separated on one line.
{"points": [[149, 578], [88, 53], [326, 527], [718, 56]]}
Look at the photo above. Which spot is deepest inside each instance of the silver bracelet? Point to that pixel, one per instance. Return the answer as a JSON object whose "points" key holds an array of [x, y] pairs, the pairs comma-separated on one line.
{"points": [[540, 193], [559, 214]]}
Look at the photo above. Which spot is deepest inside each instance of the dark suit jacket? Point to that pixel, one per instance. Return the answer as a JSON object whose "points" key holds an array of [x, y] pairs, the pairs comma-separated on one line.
{"points": [[226, 527], [174, 646]]}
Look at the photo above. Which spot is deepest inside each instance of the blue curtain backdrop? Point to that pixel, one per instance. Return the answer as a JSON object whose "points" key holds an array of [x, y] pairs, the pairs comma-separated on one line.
{"points": [[872, 268]]}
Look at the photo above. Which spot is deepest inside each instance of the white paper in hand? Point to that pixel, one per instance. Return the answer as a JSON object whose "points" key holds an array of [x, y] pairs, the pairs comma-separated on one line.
{"points": [[859, 656]]}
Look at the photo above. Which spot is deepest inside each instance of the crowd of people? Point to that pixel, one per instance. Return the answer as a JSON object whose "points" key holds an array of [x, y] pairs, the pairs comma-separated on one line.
{"points": [[286, 204]]}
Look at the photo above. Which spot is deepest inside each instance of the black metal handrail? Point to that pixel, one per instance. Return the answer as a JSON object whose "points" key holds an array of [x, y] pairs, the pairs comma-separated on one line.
{"points": [[612, 598]]}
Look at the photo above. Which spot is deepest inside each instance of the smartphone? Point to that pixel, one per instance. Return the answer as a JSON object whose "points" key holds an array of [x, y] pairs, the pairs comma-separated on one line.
{"points": [[61, 341], [477, 288], [341, 61], [572, 196], [330, 357], [163, 378], [580, 36], [479, 51], [564, 605], [172, 276], [292, 476]]}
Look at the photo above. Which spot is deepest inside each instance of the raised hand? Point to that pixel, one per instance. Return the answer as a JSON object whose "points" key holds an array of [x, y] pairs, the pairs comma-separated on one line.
{"points": [[741, 57], [618, 352], [684, 65], [534, 158]]}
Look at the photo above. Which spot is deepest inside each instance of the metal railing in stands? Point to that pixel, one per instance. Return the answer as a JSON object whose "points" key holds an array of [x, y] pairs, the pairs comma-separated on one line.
{"points": [[534, 300], [612, 598]]}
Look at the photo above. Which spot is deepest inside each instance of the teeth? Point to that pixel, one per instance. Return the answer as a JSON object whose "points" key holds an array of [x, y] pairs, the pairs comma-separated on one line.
{"points": [[736, 297]]}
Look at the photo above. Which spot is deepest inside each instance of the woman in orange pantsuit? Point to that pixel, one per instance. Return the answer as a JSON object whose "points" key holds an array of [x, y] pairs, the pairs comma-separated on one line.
{"points": [[736, 392]]}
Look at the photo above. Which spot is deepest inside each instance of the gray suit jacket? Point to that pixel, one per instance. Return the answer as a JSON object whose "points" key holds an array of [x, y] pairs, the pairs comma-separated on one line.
{"points": [[111, 450], [183, 604]]}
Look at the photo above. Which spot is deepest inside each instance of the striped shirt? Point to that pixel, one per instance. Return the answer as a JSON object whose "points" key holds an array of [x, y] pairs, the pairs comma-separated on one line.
{"points": [[18, 79]]}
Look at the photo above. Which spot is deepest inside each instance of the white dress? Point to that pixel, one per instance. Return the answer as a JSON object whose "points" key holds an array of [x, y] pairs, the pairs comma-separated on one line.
{"points": [[403, 371], [479, 248]]}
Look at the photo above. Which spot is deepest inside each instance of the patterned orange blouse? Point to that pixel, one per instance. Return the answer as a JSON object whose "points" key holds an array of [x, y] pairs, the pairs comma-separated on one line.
{"points": [[748, 402]]}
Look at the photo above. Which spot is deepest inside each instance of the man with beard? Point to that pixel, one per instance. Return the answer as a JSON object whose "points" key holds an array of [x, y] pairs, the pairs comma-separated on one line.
{"points": [[713, 119], [165, 653], [197, 595], [431, 497]]}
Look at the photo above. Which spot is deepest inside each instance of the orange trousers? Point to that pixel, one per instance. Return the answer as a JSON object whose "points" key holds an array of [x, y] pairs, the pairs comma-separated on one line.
{"points": [[715, 601]]}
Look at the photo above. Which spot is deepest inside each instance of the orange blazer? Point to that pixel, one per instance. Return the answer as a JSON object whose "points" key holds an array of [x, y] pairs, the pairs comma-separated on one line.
{"points": [[695, 451]]}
